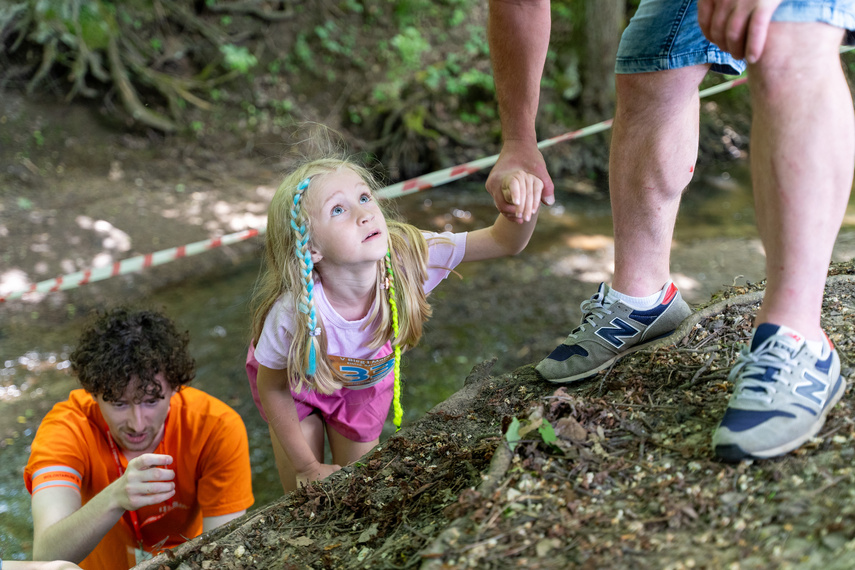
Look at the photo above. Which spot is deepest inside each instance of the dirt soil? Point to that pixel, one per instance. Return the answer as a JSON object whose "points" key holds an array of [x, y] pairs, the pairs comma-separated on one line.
{"points": [[629, 481]]}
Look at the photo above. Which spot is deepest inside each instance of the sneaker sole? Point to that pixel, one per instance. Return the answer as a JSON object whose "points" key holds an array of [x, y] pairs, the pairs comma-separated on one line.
{"points": [[593, 372], [733, 453]]}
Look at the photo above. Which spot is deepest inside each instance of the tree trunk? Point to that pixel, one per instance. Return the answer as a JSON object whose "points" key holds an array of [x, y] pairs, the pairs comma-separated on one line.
{"points": [[604, 21]]}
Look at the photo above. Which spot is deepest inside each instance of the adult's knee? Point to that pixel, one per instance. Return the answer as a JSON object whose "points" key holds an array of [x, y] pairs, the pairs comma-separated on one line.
{"points": [[795, 52], [659, 92]]}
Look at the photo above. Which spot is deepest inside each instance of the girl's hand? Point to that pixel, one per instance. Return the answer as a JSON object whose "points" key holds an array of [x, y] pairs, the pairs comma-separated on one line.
{"points": [[523, 190], [315, 472], [518, 157]]}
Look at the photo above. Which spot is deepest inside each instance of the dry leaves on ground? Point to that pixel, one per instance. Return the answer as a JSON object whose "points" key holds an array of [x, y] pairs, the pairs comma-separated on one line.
{"points": [[615, 472]]}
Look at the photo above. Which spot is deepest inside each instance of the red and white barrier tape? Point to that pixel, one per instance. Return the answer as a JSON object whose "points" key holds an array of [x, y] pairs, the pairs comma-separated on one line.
{"points": [[130, 265], [135, 264]]}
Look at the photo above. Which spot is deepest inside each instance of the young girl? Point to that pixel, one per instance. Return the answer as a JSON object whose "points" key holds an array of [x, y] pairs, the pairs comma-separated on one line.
{"points": [[342, 293]]}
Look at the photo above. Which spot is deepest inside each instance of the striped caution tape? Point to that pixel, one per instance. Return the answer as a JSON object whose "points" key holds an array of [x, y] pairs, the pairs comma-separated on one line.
{"points": [[139, 263], [131, 265]]}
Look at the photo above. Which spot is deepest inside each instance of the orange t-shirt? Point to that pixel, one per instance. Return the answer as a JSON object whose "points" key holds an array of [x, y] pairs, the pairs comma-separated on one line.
{"points": [[210, 450]]}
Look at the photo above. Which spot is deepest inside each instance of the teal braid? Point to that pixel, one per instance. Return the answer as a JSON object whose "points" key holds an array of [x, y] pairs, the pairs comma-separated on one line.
{"points": [[306, 304]]}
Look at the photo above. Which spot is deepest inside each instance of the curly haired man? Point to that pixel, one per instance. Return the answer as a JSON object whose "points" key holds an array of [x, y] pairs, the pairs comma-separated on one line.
{"points": [[134, 462]]}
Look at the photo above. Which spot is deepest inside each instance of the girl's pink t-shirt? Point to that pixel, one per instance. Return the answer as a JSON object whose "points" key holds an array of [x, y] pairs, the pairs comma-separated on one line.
{"points": [[345, 339]]}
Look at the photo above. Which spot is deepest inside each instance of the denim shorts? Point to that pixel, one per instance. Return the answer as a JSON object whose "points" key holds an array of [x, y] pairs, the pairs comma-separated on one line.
{"points": [[664, 34]]}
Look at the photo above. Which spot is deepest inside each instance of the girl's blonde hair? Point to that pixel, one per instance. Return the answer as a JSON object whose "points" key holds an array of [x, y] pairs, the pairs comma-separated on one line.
{"points": [[400, 302]]}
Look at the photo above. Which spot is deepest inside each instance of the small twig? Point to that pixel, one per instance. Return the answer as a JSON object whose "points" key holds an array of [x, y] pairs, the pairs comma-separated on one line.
{"points": [[605, 376], [825, 487], [706, 340], [480, 542], [704, 367], [646, 406], [700, 350], [715, 308]]}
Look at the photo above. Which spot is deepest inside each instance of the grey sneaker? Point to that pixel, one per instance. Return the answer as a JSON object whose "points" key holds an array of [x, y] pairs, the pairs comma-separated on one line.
{"points": [[782, 395], [610, 332]]}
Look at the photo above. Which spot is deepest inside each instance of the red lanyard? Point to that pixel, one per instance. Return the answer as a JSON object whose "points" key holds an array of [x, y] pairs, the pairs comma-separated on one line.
{"points": [[132, 515]]}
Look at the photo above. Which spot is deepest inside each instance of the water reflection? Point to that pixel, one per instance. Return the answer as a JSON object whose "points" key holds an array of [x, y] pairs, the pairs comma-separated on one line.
{"points": [[514, 309]]}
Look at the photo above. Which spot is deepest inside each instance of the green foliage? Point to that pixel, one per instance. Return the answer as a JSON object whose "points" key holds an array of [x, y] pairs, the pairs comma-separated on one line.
{"points": [[411, 45], [547, 433], [512, 435], [412, 12], [518, 431], [303, 53], [238, 58], [90, 23], [334, 39], [422, 62]]}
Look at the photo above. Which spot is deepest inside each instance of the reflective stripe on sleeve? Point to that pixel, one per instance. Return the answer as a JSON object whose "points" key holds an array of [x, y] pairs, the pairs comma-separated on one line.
{"points": [[56, 476]]}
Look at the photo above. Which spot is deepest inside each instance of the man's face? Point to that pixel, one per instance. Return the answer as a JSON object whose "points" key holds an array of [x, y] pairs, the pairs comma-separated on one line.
{"points": [[137, 425]]}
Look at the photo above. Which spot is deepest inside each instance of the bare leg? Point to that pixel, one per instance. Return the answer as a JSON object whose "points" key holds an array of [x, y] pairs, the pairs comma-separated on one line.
{"points": [[345, 451], [653, 153], [313, 431], [802, 159]]}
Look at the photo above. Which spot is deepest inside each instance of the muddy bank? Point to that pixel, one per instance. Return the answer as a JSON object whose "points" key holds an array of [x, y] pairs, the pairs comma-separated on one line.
{"points": [[625, 477]]}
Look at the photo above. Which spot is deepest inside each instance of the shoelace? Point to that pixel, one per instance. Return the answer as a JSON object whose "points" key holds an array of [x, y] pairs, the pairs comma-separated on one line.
{"points": [[752, 383], [592, 309]]}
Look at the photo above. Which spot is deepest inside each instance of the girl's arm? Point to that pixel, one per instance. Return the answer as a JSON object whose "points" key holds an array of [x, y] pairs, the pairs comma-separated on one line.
{"points": [[507, 237], [275, 393]]}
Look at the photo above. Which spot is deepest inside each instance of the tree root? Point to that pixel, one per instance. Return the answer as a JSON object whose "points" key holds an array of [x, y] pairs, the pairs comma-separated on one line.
{"points": [[129, 95], [48, 59], [715, 308], [499, 465], [191, 22], [251, 9]]}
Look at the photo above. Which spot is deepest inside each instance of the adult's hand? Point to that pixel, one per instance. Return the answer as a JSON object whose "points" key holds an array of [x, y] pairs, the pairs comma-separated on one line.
{"points": [[507, 181], [146, 482], [737, 26], [315, 472]]}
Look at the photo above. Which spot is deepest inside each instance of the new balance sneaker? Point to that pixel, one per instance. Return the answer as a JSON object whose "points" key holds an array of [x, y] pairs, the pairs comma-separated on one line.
{"points": [[782, 394], [608, 332]]}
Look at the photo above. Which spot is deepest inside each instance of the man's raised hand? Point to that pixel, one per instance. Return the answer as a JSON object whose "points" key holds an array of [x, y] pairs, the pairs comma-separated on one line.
{"points": [[146, 482]]}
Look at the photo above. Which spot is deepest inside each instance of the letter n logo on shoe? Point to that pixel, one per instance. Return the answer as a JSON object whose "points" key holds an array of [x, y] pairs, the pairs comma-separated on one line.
{"points": [[812, 386], [615, 334]]}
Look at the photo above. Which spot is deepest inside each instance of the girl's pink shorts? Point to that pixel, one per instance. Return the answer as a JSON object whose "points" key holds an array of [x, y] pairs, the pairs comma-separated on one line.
{"points": [[358, 415]]}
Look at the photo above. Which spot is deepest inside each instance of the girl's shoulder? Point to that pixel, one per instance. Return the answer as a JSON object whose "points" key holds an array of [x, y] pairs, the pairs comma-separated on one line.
{"points": [[444, 240], [282, 311]]}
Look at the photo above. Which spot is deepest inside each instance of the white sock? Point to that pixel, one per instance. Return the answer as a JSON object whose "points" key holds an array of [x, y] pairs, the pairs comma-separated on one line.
{"points": [[640, 303], [817, 347]]}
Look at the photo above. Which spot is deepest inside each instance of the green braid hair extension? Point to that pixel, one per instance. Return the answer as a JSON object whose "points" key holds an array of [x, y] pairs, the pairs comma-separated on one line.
{"points": [[306, 304], [393, 306]]}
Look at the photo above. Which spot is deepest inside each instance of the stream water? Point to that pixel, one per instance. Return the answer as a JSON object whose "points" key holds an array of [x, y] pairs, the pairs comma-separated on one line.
{"points": [[512, 309]]}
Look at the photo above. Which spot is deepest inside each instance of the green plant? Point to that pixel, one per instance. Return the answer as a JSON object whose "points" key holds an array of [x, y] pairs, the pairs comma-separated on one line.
{"points": [[238, 58], [411, 45]]}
